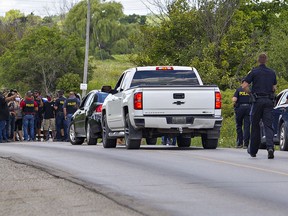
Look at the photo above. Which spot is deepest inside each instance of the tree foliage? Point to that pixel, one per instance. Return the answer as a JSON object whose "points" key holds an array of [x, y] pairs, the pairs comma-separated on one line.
{"points": [[220, 38], [110, 29], [41, 57], [69, 82]]}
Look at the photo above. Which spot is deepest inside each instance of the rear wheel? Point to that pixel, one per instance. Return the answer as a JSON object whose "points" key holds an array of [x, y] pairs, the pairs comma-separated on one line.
{"points": [[183, 141], [90, 140], [151, 141], [283, 142], [209, 143], [129, 130], [72, 136], [108, 142]]}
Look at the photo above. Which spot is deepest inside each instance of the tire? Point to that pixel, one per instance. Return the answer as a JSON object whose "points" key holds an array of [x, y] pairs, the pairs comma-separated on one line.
{"points": [[183, 141], [209, 143], [72, 136], [90, 140], [151, 141], [283, 138], [107, 141], [130, 143]]}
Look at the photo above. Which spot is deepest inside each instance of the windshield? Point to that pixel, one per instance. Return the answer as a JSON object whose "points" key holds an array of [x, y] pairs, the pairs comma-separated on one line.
{"points": [[164, 77]]}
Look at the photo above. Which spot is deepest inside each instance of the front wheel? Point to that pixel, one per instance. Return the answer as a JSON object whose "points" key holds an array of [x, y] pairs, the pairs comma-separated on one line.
{"points": [[72, 136], [209, 143], [108, 142], [130, 131], [283, 142], [90, 140]]}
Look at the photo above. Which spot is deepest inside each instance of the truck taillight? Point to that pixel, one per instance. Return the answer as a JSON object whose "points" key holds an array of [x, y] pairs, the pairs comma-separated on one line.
{"points": [[218, 100], [99, 108], [138, 101]]}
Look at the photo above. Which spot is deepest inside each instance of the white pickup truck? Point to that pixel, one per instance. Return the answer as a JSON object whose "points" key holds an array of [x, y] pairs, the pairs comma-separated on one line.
{"points": [[150, 102]]}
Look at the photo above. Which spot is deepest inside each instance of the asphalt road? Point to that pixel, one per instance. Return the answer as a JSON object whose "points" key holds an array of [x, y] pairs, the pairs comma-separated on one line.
{"points": [[161, 180]]}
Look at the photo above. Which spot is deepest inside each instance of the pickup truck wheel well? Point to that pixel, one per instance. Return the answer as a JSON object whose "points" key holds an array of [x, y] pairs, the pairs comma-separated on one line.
{"points": [[125, 111]]}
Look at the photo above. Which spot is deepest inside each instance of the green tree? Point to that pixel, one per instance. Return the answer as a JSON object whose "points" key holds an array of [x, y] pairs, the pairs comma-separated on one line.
{"points": [[12, 15], [110, 33], [69, 82], [41, 57], [220, 38]]}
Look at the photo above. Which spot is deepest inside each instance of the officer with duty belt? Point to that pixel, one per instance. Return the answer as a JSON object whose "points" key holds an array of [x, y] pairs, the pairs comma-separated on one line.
{"points": [[242, 107], [263, 80]]}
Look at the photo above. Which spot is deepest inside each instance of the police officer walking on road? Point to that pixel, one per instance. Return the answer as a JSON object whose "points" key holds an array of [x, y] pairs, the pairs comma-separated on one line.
{"points": [[242, 107], [263, 80]]}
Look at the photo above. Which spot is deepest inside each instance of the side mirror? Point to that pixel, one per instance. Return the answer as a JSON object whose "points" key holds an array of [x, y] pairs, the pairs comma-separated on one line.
{"points": [[106, 89]]}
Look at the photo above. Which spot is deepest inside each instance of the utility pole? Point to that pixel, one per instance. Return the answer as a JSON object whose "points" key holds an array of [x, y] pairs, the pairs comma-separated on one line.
{"points": [[83, 86]]}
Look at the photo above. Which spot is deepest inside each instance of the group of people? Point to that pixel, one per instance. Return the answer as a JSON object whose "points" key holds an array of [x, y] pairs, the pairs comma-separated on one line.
{"points": [[32, 113], [253, 103]]}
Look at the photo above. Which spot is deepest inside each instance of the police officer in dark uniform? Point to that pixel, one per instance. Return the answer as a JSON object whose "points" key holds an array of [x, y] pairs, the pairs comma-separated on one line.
{"points": [[264, 82], [242, 107], [70, 107], [60, 118]]}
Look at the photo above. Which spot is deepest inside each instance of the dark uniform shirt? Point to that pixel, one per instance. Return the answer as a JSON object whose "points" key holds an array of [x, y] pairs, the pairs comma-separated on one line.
{"points": [[59, 103], [49, 110], [263, 80], [28, 106], [71, 105], [242, 96], [4, 110]]}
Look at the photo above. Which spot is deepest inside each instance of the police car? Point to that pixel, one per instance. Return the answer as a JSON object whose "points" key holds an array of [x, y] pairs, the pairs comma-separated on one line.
{"points": [[280, 122]]}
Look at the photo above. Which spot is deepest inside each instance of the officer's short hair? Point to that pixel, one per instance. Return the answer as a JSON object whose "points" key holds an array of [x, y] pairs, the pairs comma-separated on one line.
{"points": [[262, 58], [60, 92]]}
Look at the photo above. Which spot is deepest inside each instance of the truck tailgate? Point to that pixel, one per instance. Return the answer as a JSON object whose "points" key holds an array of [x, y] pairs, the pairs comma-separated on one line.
{"points": [[179, 101]]}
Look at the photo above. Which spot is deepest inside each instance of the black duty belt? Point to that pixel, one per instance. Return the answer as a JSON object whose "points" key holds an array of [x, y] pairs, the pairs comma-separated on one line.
{"points": [[263, 95], [244, 104]]}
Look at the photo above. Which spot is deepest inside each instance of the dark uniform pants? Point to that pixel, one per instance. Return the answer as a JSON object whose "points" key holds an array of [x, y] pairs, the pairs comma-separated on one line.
{"points": [[242, 114], [261, 109], [60, 123]]}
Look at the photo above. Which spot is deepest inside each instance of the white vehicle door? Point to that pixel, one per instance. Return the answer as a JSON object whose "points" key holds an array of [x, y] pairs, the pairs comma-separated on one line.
{"points": [[115, 116]]}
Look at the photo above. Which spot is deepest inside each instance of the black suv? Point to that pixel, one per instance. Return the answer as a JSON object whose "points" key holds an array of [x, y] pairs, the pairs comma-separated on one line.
{"points": [[86, 121]]}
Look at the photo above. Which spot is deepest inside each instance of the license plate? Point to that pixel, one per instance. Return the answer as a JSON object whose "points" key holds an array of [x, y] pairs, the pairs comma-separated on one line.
{"points": [[178, 120]]}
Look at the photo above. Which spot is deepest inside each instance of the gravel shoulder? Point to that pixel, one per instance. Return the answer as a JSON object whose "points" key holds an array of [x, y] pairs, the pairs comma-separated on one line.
{"points": [[25, 190]]}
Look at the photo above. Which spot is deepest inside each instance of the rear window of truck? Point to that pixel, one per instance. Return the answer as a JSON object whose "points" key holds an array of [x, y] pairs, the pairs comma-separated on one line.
{"points": [[165, 77]]}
